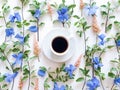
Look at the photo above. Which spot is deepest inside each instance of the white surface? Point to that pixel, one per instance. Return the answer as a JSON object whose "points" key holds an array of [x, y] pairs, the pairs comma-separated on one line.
{"points": [[111, 54]]}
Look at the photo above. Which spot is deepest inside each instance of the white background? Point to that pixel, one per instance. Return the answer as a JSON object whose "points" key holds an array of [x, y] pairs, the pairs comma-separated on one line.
{"points": [[79, 45]]}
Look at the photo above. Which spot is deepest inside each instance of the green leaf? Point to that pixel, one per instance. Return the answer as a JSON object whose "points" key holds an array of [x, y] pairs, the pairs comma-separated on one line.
{"points": [[1, 16], [43, 68], [80, 33], [26, 71], [24, 78], [15, 49], [3, 47], [71, 6], [109, 27], [63, 1], [4, 85], [87, 27], [112, 17], [3, 58], [17, 8], [104, 13], [80, 79], [77, 17], [41, 24], [16, 69], [110, 46], [104, 6], [26, 38], [112, 75], [2, 78]]}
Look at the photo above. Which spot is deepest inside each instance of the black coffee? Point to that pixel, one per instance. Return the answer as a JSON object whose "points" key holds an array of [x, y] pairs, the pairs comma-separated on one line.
{"points": [[59, 44]]}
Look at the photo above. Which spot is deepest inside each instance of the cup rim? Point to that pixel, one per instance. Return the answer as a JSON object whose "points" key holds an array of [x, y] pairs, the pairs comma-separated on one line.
{"points": [[63, 53]]}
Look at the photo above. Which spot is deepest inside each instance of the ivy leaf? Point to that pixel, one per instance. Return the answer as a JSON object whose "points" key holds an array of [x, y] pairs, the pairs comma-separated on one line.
{"points": [[80, 79]]}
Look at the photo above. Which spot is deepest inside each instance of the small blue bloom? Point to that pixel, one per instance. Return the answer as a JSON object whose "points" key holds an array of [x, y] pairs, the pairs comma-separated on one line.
{"points": [[91, 10], [33, 28], [12, 18], [117, 81], [56, 87], [101, 37], [37, 14], [93, 83], [96, 63], [63, 15], [41, 72], [18, 58], [118, 42], [70, 70], [9, 77], [20, 38], [9, 32], [15, 17]]}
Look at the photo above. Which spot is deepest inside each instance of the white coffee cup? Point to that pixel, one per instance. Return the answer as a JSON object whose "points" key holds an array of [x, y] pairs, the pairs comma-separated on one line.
{"points": [[60, 45]]}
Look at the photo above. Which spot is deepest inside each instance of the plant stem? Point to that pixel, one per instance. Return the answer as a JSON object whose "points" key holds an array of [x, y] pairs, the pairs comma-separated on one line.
{"points": [[5, 24], [84, 83], [85, 45], [107, 18], [93, 70], [112, 87], [22, 29], [63, 23], [29, 76], [38, 29], [101, 83], [38, 34], [11, 69]]}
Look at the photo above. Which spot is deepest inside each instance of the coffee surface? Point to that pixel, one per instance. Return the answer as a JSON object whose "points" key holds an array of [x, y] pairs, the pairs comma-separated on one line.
{"points": [[59, 44]]}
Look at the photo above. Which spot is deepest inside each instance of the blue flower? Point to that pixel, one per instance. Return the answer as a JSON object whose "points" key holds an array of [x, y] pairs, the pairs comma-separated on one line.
{"points": [[33, 28], [20, 38], [37, 14], [117, 81], [56, 87], [9, 32], [18, 58], [12, 18], [101, 37], [93, 83], [118, 42], [15, 17], [41, 72], [63, 14], [97, 63], [91, 10], [70, 70], [9, 77]]}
